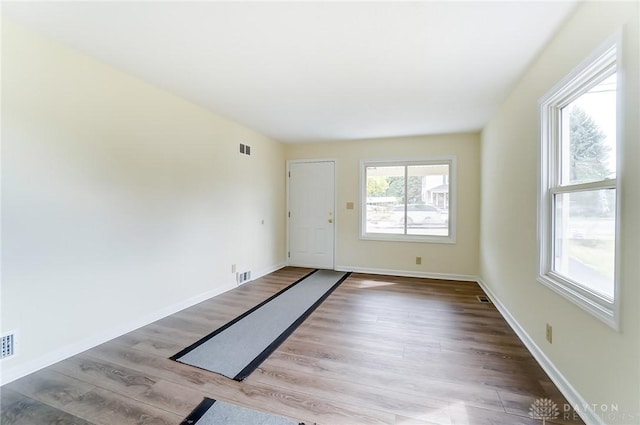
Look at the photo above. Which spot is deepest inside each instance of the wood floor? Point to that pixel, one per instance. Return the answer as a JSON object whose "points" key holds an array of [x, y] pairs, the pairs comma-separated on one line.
{"points": [[379, 350]]}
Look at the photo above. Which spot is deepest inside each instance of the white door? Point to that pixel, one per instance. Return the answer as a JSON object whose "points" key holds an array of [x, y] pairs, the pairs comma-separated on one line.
{"points": [[311, 214]]}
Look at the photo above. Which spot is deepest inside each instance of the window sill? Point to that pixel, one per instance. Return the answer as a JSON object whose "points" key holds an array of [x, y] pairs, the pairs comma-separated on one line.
{"points": [[407, 238], [602, 309]]}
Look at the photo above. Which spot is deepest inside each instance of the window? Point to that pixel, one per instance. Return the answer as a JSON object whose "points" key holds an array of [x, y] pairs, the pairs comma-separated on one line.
{"points": [[409, 200], [578, 201]]}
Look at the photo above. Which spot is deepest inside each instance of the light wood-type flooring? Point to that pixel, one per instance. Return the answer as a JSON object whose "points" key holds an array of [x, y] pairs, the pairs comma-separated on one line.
{"points": [[379, 350]]}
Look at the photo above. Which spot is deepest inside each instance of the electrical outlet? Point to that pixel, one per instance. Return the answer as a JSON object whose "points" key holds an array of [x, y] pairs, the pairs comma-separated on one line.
{"points": [[418, 260], [350, 205], [549, 333], [233, 268]]}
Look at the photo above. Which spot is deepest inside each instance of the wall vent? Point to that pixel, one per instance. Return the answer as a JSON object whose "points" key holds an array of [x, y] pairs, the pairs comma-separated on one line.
{"points": [[245, 149], [8, 345], [243, 277], [483, 299]]}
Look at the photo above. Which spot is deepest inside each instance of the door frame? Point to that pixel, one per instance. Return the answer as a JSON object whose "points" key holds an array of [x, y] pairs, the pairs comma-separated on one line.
{"points": [[335, 205]]}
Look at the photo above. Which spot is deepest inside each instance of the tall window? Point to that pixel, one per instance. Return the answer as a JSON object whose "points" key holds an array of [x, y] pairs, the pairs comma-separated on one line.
{"points": [[409, 200], [578, 196]]}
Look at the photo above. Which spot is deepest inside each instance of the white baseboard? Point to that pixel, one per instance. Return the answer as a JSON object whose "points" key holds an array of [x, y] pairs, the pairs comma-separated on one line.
{"points": [[588, 415], [268, 270], [407, 273], [9, 374], [257, 274]]}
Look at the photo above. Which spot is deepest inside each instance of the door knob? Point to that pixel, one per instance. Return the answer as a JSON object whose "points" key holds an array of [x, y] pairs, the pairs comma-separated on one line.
{"points": [[330, 220]]}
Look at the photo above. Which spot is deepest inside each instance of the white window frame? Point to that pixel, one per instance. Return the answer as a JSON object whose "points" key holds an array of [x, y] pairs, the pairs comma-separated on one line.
{"points": [[581, 79], [453, 193]]}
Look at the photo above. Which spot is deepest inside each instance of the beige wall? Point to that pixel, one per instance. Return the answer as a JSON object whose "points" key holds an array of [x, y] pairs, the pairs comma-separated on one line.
{"points": [[600, 363], [459, 259], [119, 201]]}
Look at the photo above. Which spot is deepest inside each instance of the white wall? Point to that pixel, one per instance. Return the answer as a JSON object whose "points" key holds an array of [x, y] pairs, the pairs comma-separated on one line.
{"points": [[602, 365], [120, 202], [459, 259]]}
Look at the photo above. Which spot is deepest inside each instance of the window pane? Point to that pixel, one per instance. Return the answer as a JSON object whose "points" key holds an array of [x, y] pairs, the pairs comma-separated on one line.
{"points": [[588, 140], [385, 200], [428, 200], [584, 245]]}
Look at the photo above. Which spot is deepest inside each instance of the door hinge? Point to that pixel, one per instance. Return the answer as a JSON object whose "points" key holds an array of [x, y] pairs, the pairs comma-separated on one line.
{"points": [[289, 174], [289, 214], [289, 254]]}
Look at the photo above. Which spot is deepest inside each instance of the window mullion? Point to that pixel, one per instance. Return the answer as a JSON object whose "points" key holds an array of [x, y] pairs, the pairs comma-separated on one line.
{"points": [[406, 200], [581, 187]]}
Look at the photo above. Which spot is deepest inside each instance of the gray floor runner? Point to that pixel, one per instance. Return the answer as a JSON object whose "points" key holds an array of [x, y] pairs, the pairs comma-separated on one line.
{"points": [[213, 412], [238, 348]]}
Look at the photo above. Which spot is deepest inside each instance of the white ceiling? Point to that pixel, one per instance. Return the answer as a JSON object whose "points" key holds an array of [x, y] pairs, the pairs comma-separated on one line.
{"points": [[316, 71]]}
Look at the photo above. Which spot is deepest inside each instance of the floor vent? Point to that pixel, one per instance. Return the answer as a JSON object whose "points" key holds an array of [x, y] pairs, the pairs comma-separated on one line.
{"points": [[8, 345], [243, 277], [484, 299]]}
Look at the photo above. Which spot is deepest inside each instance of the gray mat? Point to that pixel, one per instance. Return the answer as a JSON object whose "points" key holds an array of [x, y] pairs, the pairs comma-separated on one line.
{"points": [[239, 347], [213, 412]]}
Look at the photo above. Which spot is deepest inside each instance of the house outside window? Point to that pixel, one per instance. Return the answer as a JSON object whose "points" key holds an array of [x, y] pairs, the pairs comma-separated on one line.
{"points": [[409, 200]]}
